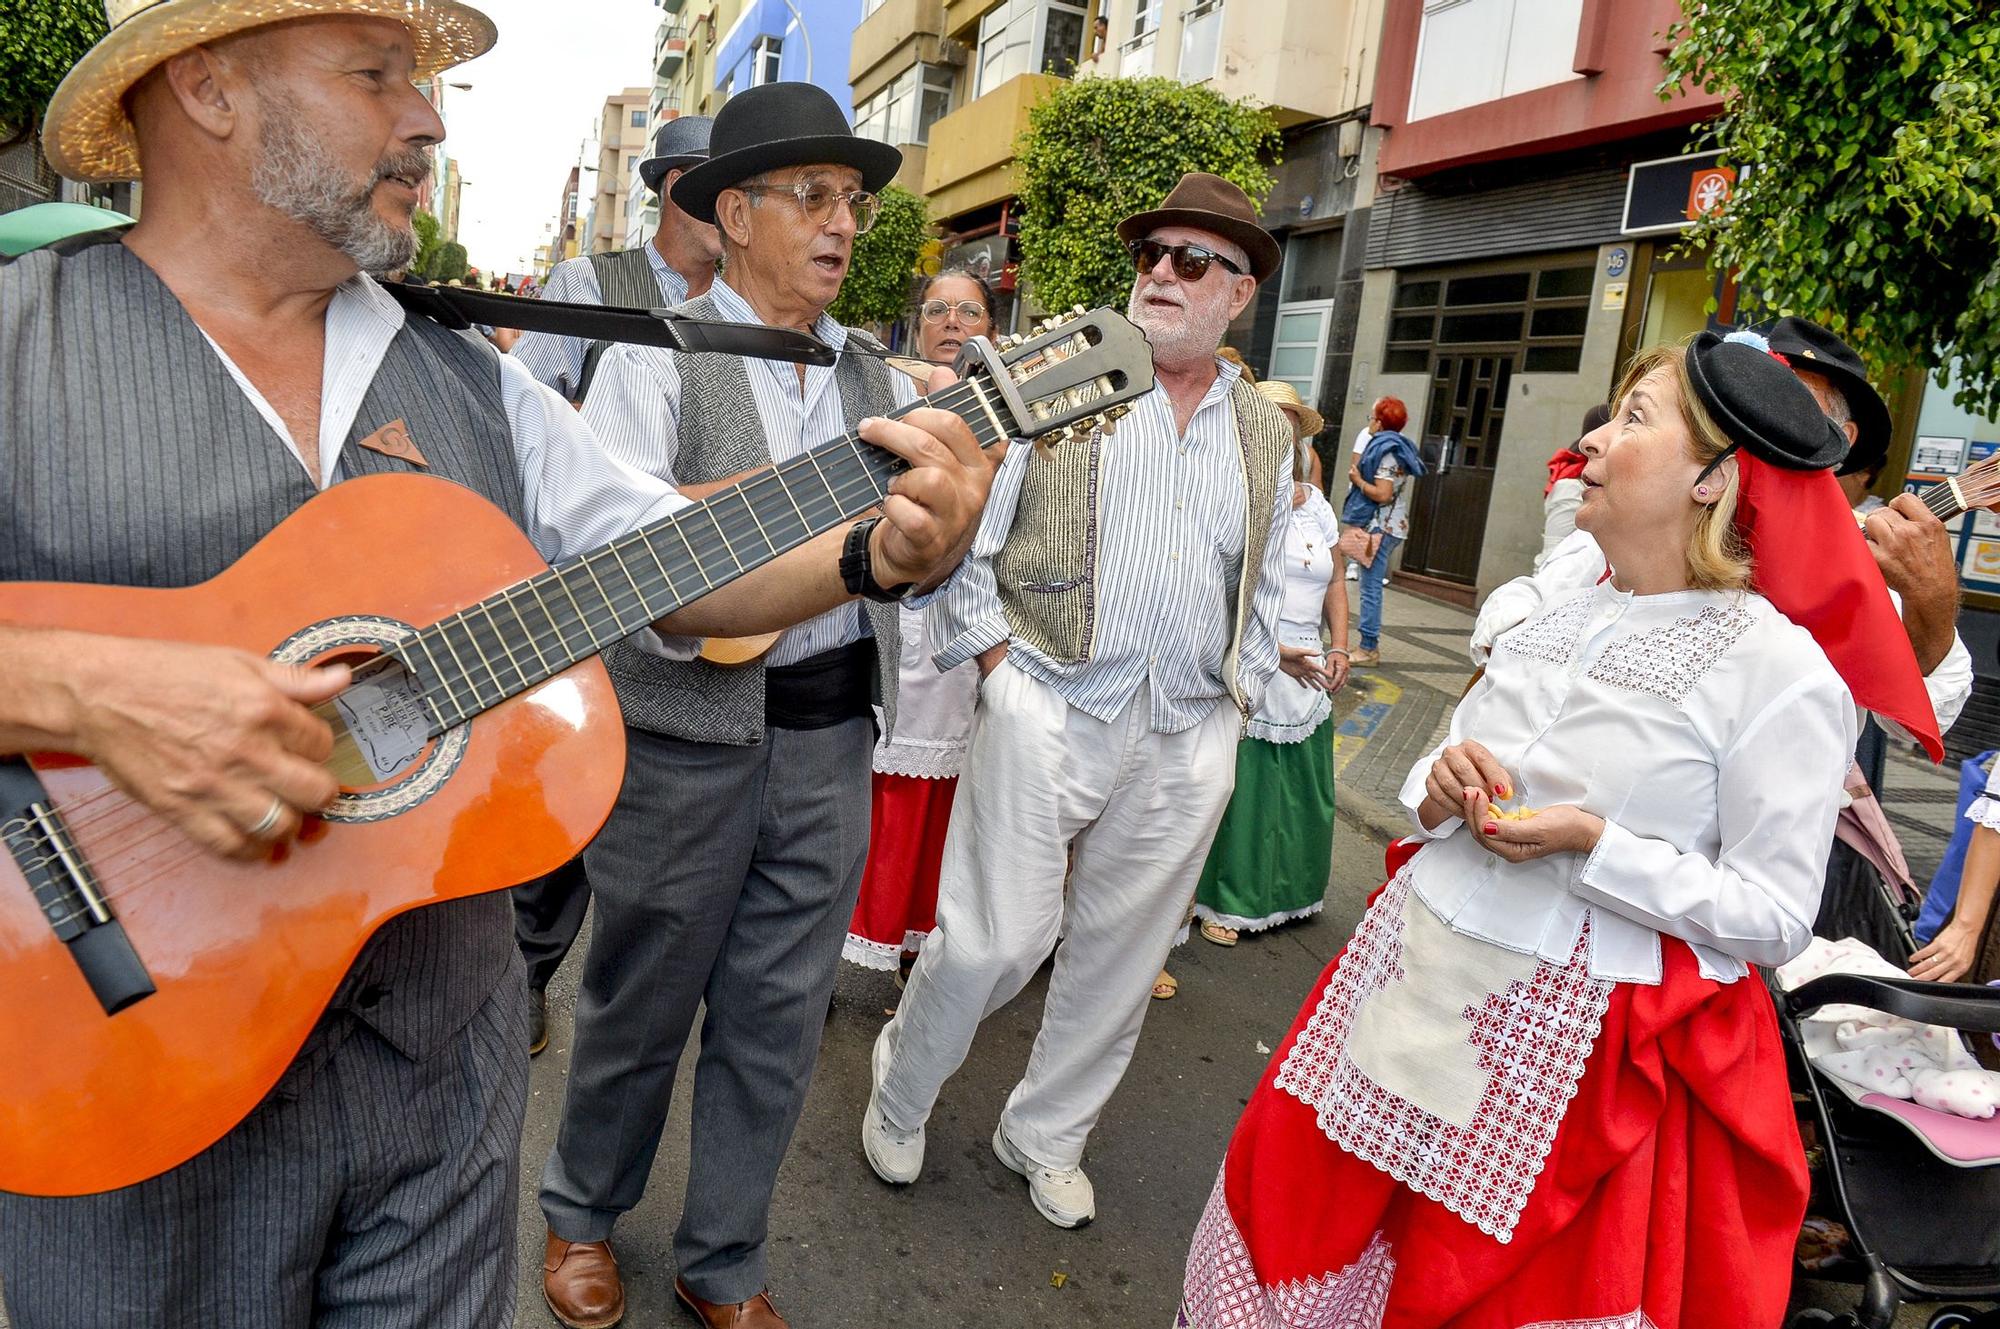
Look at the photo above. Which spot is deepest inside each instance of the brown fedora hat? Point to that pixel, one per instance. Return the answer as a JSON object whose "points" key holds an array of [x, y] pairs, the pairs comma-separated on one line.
{"points": [[1210, 203]]}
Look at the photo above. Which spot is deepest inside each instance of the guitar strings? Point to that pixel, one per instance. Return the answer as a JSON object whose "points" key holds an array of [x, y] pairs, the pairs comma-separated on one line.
{"points": [[850, 489], [844, 495]]}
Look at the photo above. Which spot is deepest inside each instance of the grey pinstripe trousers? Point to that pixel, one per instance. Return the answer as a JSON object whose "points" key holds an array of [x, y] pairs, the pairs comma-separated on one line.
{"points": [[367, 1191], [725, 879]]}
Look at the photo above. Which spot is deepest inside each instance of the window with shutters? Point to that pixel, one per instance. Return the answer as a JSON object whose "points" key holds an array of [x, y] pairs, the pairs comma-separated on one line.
{"points": [[1542, 308]]}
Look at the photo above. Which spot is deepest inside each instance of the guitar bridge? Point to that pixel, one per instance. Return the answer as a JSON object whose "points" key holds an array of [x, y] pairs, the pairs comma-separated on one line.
{"points": [[66, 890]]}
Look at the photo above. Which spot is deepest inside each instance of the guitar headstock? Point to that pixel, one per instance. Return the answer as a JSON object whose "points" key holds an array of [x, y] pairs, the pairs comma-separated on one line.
{"points": [[1073, 373]]}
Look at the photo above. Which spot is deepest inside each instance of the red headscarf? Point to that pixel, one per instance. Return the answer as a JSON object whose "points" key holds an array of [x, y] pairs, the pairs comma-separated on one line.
{"points": [[1812, 562], [1567, 464]]}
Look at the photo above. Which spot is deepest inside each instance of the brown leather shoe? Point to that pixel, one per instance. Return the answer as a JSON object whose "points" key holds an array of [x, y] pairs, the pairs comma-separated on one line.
{"points": [[580, 1282], [756, 1313]]}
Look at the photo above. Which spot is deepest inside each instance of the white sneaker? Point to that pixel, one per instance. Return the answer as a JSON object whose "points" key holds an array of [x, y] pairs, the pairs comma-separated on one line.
{"points": [[896, 1155], [1064, 1196], [1354, 572]]}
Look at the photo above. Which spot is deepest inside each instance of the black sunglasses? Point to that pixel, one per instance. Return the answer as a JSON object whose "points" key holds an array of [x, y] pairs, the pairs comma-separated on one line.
{"points": [[1190, 261]]}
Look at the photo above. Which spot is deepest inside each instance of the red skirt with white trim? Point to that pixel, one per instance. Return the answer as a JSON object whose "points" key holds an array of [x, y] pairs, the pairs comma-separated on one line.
{"points": [[1631, 1162], [897, 908]]}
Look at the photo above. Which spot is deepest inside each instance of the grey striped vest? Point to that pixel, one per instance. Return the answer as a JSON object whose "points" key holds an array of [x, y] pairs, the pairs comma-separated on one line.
{"points": [[129, 456], [625, 277], [721, 436], [1046, 572]]}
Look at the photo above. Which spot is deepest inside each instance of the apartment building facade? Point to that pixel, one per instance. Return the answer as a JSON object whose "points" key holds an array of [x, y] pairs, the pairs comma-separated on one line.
{"points": [[623, 135], [1534, 186]]}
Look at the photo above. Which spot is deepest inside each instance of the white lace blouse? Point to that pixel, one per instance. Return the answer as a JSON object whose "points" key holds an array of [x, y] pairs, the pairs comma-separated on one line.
{"points": [[1710, 733]]}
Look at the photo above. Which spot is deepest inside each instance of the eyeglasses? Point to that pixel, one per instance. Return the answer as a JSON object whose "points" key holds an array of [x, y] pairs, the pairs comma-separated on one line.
{"points": [[816, 200], [968, 311], [1190, 261]]}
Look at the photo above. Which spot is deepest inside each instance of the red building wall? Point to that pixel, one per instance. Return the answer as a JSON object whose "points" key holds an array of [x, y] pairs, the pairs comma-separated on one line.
{"points": [[1619, 49]]}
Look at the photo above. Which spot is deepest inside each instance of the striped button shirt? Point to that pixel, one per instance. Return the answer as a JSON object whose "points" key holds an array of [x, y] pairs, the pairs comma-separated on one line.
{"points": [[558, 361], [634, 409], [575, 497], [1170, 531]]}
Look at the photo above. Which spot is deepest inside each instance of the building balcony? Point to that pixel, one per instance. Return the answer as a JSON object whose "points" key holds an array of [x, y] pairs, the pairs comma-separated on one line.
{"points": [[970, 162], [669, 50], [890, 40]]}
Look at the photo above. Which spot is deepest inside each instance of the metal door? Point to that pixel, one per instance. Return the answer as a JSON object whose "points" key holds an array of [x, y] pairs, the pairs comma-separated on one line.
{"points": [[1466, 408]]}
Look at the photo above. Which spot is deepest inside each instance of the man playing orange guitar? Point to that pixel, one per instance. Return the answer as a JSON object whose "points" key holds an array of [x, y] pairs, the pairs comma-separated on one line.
{"points": [[169, 400]]}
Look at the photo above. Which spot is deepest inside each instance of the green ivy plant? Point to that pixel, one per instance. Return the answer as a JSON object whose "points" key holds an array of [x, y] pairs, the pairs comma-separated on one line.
{"points": [[877, 287], [1100, 149], [38, 44], [1866, 134]]}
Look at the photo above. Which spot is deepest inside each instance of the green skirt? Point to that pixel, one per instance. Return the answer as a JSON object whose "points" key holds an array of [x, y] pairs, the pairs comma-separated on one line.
{"points": [[1274, 851]]}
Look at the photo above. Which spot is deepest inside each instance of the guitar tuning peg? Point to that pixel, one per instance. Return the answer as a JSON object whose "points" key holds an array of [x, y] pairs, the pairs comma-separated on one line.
{"points": [[1110, 425], [1078, 310]]}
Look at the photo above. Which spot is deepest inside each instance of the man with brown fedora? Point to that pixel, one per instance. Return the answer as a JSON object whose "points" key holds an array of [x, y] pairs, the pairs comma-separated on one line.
{"points": [[1122, 599], [725, 878], [171, 400]]}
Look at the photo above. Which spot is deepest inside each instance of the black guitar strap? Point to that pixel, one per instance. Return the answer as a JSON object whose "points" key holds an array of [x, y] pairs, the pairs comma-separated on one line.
{"points": [[460, 307]]}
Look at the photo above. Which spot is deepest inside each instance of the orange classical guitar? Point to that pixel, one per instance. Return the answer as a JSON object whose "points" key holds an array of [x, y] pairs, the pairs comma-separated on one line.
{"points": [[154, 994]]}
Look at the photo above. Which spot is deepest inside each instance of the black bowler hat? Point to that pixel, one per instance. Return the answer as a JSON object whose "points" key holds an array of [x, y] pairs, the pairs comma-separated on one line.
{"points": [[1806, 345], [1760, 405], [682, 142], [775, 125]]}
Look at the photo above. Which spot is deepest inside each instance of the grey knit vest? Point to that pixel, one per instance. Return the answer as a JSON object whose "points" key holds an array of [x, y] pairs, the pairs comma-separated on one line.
{"points": [[721, 436], [625, 277], [1046, 572], [129, 456]]}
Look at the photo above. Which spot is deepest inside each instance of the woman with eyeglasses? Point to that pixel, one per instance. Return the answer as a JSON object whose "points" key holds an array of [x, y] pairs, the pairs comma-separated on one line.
{"points": [[916, 768]]}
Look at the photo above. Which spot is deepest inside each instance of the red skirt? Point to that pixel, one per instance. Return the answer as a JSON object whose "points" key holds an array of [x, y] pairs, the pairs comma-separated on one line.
{"points": [[899, 887], [1668, 1193]]}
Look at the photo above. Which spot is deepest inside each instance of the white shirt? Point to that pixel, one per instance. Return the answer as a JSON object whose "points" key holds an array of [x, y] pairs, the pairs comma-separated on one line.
{"points": [[1170, 535], [574, 497], [1577, 562], [1558, 516], [1713, 737], [558, 361], [1292, 712], [634, 410]]}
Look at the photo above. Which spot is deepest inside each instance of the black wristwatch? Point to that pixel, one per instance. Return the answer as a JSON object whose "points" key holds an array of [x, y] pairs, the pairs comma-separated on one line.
{"points": [[856, 571]]}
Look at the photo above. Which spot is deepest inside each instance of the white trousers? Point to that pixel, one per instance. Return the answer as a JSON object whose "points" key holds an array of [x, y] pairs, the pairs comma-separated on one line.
{"points": [[1140, 809]]}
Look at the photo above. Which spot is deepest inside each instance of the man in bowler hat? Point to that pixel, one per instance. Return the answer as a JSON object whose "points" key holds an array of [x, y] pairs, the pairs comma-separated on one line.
{"points": [[727, 873]]}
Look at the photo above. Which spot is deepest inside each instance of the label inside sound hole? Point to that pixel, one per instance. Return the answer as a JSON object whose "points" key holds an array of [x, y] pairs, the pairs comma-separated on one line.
{"points": [[385, 715]]}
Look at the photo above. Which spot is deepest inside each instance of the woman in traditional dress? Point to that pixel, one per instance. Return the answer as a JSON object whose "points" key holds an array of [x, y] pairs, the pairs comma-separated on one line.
{"points": [[1274, 850], [1541, 1087], [916, 771]]}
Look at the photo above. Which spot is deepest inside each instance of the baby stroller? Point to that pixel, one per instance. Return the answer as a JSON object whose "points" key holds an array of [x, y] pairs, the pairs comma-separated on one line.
{"points": [[1923, 1225]]}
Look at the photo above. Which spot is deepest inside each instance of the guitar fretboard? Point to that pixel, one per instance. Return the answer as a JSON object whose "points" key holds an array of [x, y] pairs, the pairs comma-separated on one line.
{"points": [[535, 629]]}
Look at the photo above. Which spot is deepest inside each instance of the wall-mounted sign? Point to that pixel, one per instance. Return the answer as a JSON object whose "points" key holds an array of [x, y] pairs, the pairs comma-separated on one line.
{"points": [[1669, 193], [1617, 261]]}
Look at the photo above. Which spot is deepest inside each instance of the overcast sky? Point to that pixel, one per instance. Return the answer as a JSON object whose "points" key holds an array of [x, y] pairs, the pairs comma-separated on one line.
{"points": [[535, 98]]}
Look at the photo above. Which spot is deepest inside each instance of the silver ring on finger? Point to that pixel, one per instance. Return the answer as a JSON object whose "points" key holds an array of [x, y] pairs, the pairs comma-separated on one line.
{"points": [[269, 821]]}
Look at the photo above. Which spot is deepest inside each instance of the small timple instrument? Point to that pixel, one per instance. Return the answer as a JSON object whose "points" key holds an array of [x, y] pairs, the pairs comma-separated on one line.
{"points": [[153, 994], [1977, 486]]}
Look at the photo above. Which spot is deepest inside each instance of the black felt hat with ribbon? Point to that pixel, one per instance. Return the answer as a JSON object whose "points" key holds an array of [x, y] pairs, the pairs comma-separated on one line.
{"points": [[1760, 405], [1807, 555], [1804, 344]]}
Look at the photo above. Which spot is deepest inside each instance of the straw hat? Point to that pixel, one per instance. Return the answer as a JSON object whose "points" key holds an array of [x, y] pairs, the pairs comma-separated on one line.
{"points": [[1286, 398], [87, 135]]}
